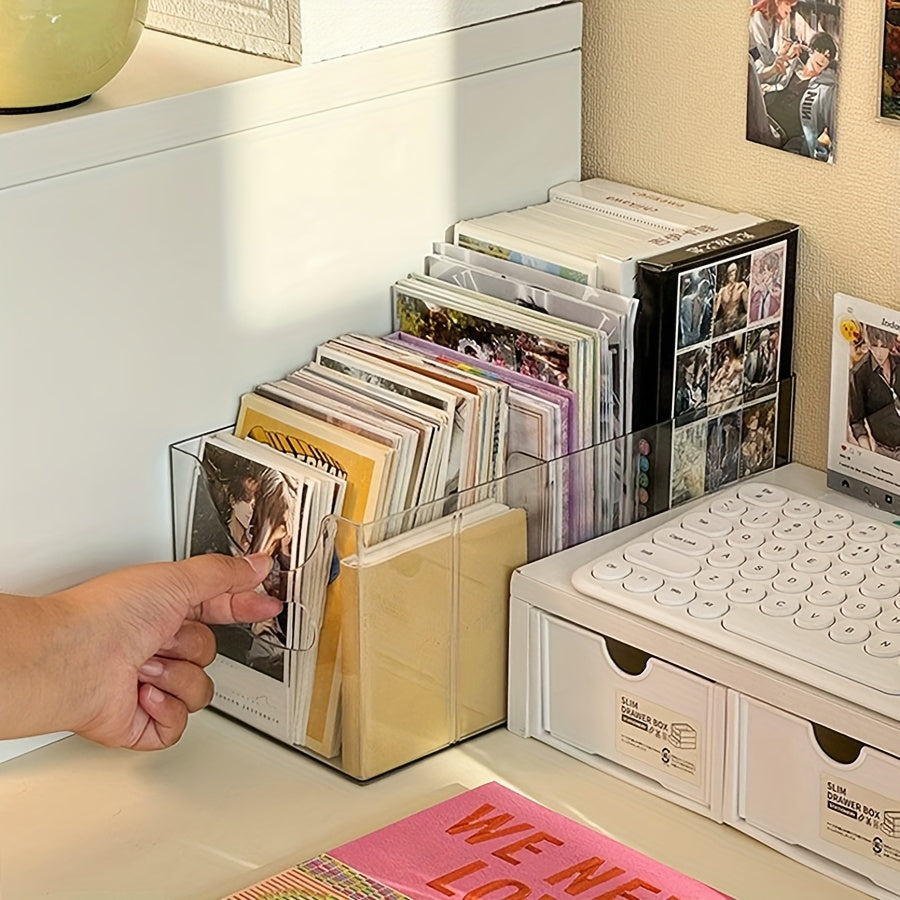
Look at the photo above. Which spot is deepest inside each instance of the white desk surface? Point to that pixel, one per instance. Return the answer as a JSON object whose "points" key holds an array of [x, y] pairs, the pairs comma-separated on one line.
{"points": [[226, 807]]}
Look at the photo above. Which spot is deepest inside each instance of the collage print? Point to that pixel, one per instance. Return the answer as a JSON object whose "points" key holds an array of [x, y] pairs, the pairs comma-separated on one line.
{"points": [[726, 371]]}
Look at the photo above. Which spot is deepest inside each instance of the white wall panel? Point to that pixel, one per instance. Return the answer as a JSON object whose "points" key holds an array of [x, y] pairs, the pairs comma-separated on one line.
{"points": [[141, 297]]}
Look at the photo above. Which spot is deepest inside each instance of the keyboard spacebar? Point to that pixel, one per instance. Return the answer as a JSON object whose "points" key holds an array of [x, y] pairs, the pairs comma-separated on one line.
{"points": [[847, 660]]}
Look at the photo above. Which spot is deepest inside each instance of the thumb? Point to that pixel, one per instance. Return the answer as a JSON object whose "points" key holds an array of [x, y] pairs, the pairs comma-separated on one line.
{"points": [[220, 588]]}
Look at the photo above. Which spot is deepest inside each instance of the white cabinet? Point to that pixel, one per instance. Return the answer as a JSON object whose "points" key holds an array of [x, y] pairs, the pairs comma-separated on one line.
{"points": [[308, 31], [160, 258]]}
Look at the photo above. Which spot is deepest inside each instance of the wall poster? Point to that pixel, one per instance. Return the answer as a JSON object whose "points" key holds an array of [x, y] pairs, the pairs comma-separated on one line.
{"points": [[890, 61], [792, 75]]}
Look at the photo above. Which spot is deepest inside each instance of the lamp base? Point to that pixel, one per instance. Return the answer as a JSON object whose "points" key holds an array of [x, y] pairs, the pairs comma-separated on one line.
{"points": [[25, 110]]}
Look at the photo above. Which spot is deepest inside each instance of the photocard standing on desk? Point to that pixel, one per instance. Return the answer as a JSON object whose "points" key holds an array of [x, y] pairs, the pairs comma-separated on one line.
{"points": [[864, 423]]}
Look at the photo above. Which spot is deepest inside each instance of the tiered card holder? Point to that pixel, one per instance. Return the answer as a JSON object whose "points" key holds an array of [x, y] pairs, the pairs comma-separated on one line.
{"points": [[393, 640]]}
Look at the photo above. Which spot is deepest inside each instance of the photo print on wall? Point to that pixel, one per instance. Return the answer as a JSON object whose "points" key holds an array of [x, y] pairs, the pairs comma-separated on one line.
{"points": [[793, 71], [890, 61]]}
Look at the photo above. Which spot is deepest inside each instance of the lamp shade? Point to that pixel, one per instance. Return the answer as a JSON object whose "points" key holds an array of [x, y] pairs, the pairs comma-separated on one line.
{"points": [[55, 53]]}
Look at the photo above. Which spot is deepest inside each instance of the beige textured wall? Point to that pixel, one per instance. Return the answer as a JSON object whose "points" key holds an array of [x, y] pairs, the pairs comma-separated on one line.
{"points": [[664, 101]]}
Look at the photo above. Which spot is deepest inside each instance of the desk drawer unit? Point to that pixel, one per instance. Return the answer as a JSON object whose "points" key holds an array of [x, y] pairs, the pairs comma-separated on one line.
{"points": [[815, 794], [634, 715]]}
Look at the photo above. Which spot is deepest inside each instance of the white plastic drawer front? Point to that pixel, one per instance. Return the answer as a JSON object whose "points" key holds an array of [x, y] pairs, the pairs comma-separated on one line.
{"points": [[847, 810], [663, 722]]}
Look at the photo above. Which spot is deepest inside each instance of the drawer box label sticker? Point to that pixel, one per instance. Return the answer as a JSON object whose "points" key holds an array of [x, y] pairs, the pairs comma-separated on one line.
{"points": [[659, 737], [861, 821]]}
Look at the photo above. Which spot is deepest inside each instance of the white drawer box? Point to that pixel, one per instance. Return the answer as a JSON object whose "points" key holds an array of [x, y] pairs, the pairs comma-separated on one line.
{"points": [[635, 716], [826, 800], [309, 31]]}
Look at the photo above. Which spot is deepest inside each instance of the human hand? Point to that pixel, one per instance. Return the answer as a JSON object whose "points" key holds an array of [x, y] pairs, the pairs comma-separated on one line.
{"points": [[146, 641]]}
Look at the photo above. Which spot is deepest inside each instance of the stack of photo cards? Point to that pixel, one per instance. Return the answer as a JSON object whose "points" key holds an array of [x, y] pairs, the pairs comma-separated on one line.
{"points": [[594, 232], [252, 498], [710, 332], [368, 445], [541, 427], [547, 348]]}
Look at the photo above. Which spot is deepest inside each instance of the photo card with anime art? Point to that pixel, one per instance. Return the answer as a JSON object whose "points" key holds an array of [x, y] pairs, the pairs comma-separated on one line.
{"points": [[696, 296], [723, 450], [767, 269], [688, 462], [793, 71], [732, 296], [758, 438], [691, 383], [726, 374], [241, 506], [761, 361], [864, 420], [890, 62]]}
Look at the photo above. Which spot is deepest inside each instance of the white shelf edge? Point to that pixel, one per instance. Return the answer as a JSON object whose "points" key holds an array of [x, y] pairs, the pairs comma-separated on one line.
{"points": [[112, 135]]}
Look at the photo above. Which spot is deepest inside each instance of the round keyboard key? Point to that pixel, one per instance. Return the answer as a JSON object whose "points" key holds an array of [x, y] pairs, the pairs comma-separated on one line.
{"points": [[611, 570], [859, 554], [825, 543], [826, 596], [777, 552], [867, 531], [880, 588], [801, 508], [792, 531], [811, 563], [725, 558], [883, 647], [845, 576], [845, 632], [674, 595], [759, 570], [713, 581], [792, 583], [833, 520], [891, 544], [888, 566], [763, 495], [729, 507], [708, 608], [889, 622], [779, 605], [811, 619], [860, 608], [639, 582], [707, 524], [746, 592], [745, 540], [760, 518], [683, 541]]}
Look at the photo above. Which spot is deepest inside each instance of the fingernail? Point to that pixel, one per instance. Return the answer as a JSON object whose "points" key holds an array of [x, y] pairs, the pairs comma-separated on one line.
{"points": [[151, 668], [261, 563], [154, 694]]}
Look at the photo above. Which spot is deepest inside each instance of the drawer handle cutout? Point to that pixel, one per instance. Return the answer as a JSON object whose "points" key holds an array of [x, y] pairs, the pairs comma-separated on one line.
{"points": [[839, 747], [627, 658]]}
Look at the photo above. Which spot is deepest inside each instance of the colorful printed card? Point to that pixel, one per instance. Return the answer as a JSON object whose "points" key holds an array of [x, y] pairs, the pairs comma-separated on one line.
{"points": [[484, 843]]}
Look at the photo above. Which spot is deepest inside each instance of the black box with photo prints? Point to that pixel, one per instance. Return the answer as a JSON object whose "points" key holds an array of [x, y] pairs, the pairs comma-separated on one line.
{"points": [[714, 337]]}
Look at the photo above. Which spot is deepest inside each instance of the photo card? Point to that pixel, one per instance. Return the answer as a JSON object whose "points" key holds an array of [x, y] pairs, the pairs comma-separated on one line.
{"points": [[864, 419]]}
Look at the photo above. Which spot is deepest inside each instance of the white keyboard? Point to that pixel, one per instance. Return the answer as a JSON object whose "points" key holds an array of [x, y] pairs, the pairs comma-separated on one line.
{"points": [[759, 566]]}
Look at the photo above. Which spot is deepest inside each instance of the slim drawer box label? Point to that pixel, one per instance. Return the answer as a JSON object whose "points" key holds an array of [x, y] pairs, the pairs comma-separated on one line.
{"points": [[660, 737], [860, 820]]}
